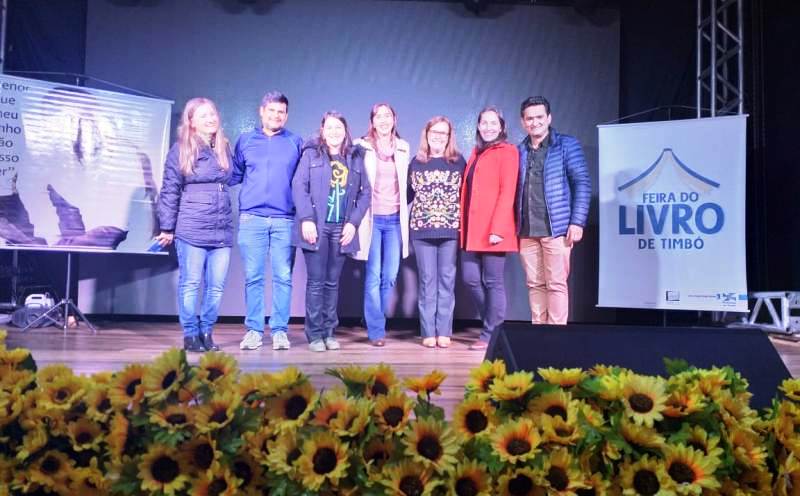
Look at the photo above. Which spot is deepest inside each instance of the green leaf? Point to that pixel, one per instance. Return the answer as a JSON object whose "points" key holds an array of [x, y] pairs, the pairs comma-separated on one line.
{"points": [[675, 366]]}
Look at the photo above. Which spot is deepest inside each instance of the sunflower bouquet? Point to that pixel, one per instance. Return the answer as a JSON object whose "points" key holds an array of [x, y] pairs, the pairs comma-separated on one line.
{"points": [[608, 430], [171, 428]]}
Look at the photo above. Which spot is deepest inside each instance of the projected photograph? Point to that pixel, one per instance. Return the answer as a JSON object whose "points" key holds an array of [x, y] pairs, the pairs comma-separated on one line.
{"points": [[79, 167]]}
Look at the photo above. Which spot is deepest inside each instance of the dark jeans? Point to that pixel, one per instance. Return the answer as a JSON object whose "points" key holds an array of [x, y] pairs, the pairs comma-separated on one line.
{"points": [[436, 265], [323, 266], [483, 273]]}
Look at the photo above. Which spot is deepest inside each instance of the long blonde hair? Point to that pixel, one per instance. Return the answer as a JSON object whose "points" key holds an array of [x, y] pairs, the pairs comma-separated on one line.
{"points": [[451, 154], [189, 143]]}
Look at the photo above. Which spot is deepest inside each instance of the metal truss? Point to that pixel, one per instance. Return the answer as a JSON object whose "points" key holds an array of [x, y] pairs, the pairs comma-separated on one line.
{"points": [[720, 58]]}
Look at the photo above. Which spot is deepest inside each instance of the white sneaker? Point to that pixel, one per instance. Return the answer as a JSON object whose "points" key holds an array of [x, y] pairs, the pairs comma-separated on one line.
{"points": [[280, 341], [332, 344], [317, 345], [252, 340]]}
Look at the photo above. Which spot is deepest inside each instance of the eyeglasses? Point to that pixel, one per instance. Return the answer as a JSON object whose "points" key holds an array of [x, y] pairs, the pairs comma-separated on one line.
{"points": [[442, 134]]}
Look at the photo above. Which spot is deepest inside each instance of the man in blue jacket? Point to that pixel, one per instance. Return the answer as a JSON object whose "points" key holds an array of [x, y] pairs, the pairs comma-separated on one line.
{"points": [[264, 161], [553, 194]]}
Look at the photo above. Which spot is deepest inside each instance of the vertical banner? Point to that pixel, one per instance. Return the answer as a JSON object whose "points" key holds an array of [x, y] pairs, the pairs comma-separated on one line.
{"points": [[79, 167], [672, 215]]}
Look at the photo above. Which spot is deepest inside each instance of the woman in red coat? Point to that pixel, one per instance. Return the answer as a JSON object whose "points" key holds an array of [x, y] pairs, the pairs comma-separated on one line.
{"points": [[487, 220]]}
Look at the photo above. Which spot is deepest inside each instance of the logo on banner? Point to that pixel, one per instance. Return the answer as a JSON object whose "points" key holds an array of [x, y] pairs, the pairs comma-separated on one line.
{"points": [[669, 206]]}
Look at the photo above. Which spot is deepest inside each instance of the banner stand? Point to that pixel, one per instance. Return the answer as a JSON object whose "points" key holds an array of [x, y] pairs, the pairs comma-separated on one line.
{"points": [[66, 304]]}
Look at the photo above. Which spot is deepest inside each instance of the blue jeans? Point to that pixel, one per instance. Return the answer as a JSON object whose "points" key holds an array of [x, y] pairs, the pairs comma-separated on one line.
{"points": [[383, 263], [195, 265], [324, 266], [258, 237], [484, 276]]}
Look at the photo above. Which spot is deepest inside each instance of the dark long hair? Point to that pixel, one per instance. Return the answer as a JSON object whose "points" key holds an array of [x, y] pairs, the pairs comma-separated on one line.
{"points": [[501, 138], [322, 147]]}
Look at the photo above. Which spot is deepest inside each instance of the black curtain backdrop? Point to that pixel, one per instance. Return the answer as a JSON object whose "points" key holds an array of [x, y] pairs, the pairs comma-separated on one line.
{"points": [[657, 68]]}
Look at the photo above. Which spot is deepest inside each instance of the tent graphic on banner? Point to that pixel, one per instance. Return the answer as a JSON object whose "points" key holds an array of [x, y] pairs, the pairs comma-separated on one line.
{"points": [[695, 181]]}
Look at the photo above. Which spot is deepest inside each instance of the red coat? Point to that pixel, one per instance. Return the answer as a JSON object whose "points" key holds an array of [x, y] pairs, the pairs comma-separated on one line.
{"points": [[491, 208]]}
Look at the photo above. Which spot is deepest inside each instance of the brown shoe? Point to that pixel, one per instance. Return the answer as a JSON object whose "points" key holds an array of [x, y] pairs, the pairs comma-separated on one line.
{"points": [[429, 342], [380, 343], [443, 341], [479, 345]]}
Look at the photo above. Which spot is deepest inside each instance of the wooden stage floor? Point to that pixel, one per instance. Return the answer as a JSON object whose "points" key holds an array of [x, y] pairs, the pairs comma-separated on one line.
{"points": [[119, 343]]}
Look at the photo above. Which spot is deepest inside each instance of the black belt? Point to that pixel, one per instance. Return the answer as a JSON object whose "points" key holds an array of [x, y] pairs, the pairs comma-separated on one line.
{"points": [[205, 187]]}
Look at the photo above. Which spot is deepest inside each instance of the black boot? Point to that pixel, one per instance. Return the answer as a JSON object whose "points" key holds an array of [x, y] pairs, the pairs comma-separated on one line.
{"points": [[208, 342], [193, 344]]}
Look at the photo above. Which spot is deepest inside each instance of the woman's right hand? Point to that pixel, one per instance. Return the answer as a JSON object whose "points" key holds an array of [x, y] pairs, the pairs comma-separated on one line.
{"points": [[309, 231], [165, 238]]}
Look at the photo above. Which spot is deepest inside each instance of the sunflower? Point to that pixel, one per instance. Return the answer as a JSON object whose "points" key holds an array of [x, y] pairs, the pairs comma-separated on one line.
{"points": [[202, 455], [432, 443], [222, 484], [16, 379], [355, 378], [554, 404], [249, 473], [62, 394], [126, 388], [595, 485], [117, 437], [561, 473], [332, 403], [257, 443], [353, 419], [251, 388], [216, 368], [3, 336], [559, 431], [748, 449], [791, 389], [174, 417], [704, 442], [12, 405], [643, 398], [684, 401], [85, 435], [392, 411], [163, 469], [292, 407], [324, 458], [49, 373], [691, 470], [218, 412], [376, 452], [470, 478], [283, 452], [428, 384], [483, 376], [521, 482], [98, 403], [52, 470], [474, 417], [89, 481], [516, 440], [409, 478], [512, 387], [640, 436], [33, 440], [190, 390], [566, 378], [711, 382], [735, 410], [165, 375], [285, 379], [382, 380], [646, 477], [756, 481], [13, 358]]}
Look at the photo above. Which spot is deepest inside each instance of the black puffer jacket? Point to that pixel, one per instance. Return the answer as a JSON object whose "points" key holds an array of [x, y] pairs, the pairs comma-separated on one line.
{"points": [[197, 207]]}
